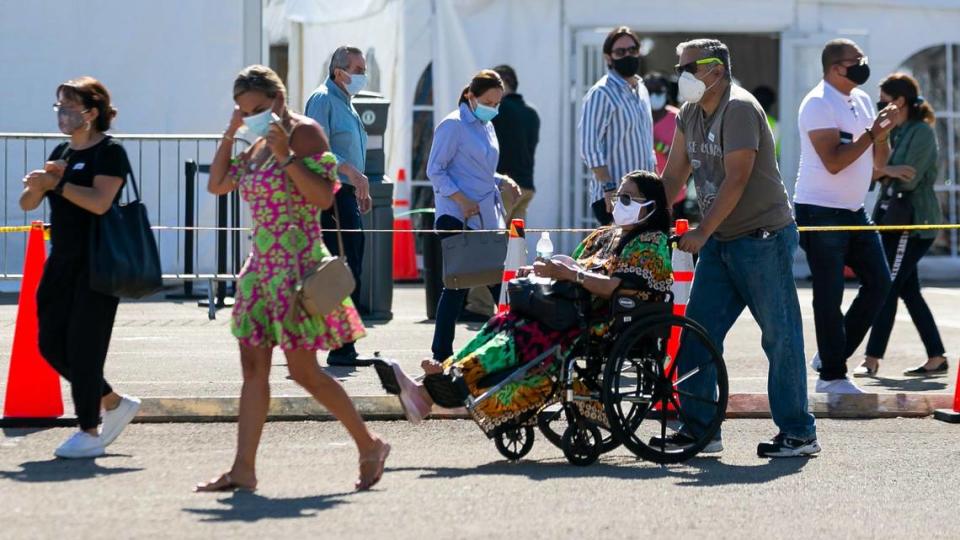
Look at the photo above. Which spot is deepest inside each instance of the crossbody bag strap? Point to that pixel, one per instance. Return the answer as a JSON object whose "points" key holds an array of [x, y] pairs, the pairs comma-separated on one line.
{"points": [[286, 187], [336, 217]]}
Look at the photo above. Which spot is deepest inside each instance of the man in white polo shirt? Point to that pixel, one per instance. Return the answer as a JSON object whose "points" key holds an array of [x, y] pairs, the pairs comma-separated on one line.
{"points": [[841, 141]]}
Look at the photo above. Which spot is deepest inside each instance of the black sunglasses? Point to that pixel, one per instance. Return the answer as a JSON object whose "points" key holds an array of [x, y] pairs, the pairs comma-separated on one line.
{"points": [[627, 200], [691, 67], [620, 52]]}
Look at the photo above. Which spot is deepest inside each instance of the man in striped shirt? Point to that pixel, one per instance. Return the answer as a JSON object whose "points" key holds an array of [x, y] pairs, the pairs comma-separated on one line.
{"points": [[616, 126]]}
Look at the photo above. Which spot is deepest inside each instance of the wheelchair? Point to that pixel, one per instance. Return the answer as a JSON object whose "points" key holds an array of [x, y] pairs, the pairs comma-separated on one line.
{"points": [[619, 388]]}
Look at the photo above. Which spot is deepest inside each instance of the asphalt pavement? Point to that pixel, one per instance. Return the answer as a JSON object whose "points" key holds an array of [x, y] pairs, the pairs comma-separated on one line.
{"points": [[879, 478]]}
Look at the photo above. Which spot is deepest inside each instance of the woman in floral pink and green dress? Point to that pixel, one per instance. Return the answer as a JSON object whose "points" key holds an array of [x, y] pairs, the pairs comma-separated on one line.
{"points": [[286, 176]]}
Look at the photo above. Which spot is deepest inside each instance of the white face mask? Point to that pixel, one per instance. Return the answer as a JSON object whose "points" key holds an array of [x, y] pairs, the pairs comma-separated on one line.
{"points": [[658, 101], [259, 124], [634, 213], [691, 89]]}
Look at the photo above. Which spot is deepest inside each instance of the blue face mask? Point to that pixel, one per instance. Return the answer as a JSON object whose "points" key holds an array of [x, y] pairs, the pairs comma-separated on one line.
{"points": [[485, 113], [357, 83], [259, 124]]}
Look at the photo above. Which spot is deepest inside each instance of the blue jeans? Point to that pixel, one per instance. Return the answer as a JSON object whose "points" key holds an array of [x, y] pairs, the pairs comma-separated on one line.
{"points": [[839, 335], [349, 209], [756, 273]]}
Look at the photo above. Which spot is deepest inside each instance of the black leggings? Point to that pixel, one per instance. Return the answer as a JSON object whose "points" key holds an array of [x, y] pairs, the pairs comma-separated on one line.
{"points": [[906, 286], [75, 327]]}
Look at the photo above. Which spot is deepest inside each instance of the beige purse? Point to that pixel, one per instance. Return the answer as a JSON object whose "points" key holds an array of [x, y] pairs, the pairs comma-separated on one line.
{"points": [[326, 286]]}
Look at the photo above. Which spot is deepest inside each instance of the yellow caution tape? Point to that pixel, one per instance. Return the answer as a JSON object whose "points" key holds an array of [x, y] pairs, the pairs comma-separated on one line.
{"points": [[24, 228], [816, 228]]}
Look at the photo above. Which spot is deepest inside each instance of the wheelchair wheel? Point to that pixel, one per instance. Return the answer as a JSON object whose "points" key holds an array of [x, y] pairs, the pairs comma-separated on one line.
{"points": [[647, 397], [552, 423], [581, 444], [513, 442]]}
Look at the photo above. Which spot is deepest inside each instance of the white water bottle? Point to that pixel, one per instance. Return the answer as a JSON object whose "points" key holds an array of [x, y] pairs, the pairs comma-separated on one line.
{"points": [[544, 246]]}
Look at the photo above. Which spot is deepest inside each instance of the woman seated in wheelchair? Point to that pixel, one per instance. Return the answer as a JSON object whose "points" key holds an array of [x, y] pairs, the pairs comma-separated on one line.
{"points": [[632, 255]]}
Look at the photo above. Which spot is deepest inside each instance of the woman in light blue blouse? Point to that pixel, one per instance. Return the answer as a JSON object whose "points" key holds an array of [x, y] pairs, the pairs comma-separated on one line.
{"points": [[466, 186]]}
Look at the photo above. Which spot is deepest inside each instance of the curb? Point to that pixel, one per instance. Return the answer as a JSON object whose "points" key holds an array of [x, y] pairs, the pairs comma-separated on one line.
{"points": [[385, 407]]}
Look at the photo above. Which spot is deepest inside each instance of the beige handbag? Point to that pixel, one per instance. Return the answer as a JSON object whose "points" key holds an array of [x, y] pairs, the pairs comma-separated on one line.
{"points": [[326, 286]]}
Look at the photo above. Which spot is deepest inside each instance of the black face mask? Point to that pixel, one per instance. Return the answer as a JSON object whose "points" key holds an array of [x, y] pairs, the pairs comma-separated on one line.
{"points": [[627, 66], [858, 74], [881, 105]]}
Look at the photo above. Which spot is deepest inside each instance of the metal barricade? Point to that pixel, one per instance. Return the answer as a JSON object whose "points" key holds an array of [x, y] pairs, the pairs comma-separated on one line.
{"points": [[200, 236]]}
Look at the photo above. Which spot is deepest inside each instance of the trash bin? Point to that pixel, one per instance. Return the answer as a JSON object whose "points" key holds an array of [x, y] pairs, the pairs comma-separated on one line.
{"points": [[376, 280]]}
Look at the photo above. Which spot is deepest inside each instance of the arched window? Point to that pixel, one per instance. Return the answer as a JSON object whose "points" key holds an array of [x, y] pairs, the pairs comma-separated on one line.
{"points": [[937, 69], [422, 136]]}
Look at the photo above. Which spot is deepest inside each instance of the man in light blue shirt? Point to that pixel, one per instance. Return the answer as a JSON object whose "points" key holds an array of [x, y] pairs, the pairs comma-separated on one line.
{"points": [[331, 106], [616, 126]]}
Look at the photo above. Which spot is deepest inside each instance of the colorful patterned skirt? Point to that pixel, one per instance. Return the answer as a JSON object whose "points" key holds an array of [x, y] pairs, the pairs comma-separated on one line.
{"points": [[505, 343]]}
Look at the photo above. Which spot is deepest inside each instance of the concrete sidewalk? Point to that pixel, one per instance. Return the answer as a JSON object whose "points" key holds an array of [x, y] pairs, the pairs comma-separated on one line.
{"points": [[169, 349]]}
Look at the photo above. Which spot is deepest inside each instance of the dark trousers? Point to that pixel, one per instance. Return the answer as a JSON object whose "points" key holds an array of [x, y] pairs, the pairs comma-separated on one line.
{"points": [[906, 286], [353, 242], [839, 334], [75, 326], [450, 305]]}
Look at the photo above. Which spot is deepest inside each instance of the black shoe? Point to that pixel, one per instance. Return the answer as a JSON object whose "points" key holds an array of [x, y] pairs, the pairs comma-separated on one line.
{"points": [[340, 357], [921, 371], [680, 441], [350, 358], [784, 446]]}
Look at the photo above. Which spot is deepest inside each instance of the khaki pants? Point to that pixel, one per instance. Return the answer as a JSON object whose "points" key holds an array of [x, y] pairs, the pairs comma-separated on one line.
{"points": [[516, 207]]}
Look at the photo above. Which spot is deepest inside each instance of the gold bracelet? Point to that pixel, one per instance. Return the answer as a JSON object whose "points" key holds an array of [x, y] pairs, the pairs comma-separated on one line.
{"points": [[227, 137]]}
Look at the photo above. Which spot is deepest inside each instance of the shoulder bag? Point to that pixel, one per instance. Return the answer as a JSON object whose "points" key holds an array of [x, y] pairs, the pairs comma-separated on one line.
{"points": [[324, 288], [473, 259], [124, 260]]}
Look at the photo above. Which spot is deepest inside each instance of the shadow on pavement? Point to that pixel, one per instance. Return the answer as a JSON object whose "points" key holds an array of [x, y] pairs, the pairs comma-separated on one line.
{"points": [[251, 507], [696, 472], [63, 470], [906, 385]]}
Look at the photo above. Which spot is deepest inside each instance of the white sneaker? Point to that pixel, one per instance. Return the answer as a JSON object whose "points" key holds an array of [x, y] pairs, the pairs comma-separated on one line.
{"points": [[838, 386], [816, 363], [80, 445], [114, 421]]}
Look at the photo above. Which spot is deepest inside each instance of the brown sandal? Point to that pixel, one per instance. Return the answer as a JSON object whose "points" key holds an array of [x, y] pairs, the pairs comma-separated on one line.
{"points": [[380, 459], [224, 483]]}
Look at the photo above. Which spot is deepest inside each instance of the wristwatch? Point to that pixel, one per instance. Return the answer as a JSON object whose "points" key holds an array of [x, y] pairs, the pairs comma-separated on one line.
{"points": [[290, 159], [609, 186], [581, 275], [869, 131]]}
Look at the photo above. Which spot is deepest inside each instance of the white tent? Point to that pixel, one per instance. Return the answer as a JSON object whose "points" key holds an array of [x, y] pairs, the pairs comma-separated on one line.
{"points": [[554, 47]]}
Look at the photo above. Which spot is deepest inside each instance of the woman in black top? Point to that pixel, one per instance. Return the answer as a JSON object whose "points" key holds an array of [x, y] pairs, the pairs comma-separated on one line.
{"points": [[81, 180]]}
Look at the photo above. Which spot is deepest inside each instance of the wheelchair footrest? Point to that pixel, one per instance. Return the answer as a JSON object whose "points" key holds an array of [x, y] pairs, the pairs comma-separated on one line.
{"points": [[388, 379], [446, 391]]}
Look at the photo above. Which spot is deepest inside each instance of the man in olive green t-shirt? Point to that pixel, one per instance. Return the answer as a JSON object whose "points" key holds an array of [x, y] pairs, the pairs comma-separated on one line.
{"points": [[746, 241]]}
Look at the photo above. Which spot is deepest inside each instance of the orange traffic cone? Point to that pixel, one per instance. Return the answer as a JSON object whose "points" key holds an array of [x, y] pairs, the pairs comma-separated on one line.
{"points": [[33, 387], [682, 263], [946, 414], [404, 252], [516, 257]]}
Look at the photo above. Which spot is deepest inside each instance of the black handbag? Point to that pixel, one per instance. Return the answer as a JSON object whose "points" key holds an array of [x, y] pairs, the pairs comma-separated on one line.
{"points": [[893, 209], [124, 260], [556, 305]]}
